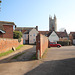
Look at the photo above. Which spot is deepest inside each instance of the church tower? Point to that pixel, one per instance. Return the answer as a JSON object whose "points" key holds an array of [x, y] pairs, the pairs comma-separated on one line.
{"points": [[52, 23]]}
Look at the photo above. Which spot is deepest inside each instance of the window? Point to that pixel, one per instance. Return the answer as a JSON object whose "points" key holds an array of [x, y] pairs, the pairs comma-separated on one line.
{"points": [[25, 35], [51, 43], [54, 43], [33, 34], [34, 40], [46, 35]]}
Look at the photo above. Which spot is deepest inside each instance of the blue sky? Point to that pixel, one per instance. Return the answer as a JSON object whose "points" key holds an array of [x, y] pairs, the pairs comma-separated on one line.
{"points": [[30, 13]]}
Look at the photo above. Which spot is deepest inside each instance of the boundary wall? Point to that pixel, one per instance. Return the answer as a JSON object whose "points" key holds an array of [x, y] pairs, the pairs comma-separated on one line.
{"points": [[41, 45], [7, 44]]}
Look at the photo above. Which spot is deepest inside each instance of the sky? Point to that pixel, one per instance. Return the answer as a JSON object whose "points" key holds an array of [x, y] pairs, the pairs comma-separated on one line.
{"points": [[31, 13]]}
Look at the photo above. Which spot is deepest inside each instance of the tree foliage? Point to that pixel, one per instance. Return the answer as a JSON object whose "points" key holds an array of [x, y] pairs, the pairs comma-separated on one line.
{"points": [[17, 34], [0, 1]]}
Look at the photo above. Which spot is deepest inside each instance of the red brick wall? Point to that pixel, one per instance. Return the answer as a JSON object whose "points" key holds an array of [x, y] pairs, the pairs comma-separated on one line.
{"points": [[8, 31], [63, 39], [41, 44], [7, 44]]}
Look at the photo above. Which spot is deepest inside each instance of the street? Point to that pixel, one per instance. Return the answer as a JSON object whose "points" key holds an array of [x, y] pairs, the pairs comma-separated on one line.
{"points": [[57, 61]]}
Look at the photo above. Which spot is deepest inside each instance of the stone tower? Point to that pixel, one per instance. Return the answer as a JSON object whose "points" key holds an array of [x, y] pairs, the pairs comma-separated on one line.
{"points": [[52, 23]]}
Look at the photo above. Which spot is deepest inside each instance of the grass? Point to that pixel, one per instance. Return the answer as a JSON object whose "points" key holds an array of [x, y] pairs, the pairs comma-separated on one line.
{"points": [[19, 47], [15, 57], [10, 51], [6, 53], [33, 57]]}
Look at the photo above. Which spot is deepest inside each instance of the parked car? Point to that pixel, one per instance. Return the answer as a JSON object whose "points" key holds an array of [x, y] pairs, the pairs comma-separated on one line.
{"points": [[54, 44]]}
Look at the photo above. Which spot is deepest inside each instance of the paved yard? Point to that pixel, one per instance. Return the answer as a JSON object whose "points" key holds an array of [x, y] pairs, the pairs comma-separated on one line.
{"points": [[56, 61], [20, 65], [28, 51]]}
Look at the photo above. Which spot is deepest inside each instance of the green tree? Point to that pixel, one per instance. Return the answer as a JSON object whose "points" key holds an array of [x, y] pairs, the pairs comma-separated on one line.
{"points": [[17, 34]]}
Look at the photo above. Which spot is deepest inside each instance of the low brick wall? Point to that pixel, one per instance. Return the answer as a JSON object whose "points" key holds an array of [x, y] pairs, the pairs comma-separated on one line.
{"points": [[41, 45], [7, 44]]}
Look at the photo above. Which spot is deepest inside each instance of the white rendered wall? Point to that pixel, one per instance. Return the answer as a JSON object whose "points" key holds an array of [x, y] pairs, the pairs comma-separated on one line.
{"points": [[32, 38], [53, 37]]}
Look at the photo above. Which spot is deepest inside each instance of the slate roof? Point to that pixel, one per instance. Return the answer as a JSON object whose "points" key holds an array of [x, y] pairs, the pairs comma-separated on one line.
{"points": [[49, 33]]}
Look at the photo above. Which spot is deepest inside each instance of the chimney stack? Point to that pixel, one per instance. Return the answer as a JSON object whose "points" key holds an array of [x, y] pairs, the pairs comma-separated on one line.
{"points": [[65, 30], [37, 28]]}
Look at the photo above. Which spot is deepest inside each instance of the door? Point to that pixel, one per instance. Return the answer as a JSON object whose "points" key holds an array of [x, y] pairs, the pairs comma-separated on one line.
{"points": [[23, 41]]}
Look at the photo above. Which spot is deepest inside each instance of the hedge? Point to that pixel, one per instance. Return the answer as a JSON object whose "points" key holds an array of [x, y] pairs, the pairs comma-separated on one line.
{"points": [[64, 43]]}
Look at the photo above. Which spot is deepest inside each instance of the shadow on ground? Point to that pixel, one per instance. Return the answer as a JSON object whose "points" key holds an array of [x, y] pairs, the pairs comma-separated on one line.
{"points": [[25, 55], [56, 67]]}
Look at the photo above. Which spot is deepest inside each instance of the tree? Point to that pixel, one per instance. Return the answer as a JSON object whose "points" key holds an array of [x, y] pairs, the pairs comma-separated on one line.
{"points": [[17, 34], [0, 1]]}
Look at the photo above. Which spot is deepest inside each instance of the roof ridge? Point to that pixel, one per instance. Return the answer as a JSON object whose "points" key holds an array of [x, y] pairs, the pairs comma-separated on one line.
{"points": [[6, 21]]}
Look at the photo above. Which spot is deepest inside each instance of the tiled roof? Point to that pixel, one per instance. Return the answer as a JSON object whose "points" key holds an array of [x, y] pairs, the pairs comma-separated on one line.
{"points": [[62, 34], [72, 32], [26, 32], [4, 23], [44, 32], [24, 29]]}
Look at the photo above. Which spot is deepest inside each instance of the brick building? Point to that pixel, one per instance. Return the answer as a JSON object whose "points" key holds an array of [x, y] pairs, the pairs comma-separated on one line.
{"points": [[72, 37], [6, 29]]}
